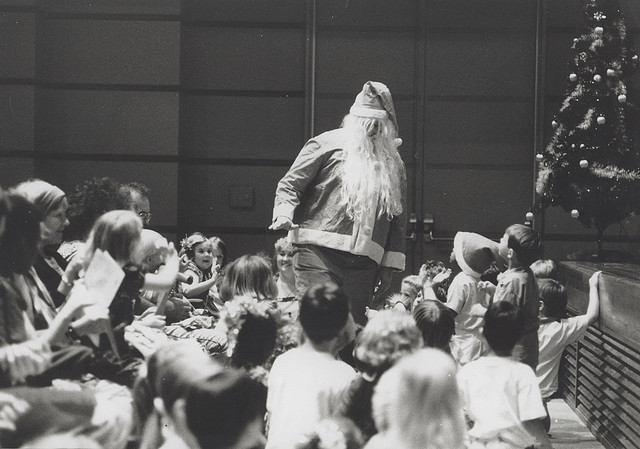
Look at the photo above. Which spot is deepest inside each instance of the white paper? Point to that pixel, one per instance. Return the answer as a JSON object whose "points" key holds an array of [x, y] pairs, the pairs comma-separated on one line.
{"points": [[102, 278]]}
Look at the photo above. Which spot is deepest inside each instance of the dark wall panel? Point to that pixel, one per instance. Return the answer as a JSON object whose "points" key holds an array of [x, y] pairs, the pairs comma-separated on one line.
{"points": [[15, 170], [227, 196], [241, 127], [162, 179], [17, 45], [493, 64], [110, 52], [261, 11], [478, 132], [504, 16], [224, 58], [346, 60], [111, 122], [366, 13], [90, 7], [16, 118], [484, 201]]}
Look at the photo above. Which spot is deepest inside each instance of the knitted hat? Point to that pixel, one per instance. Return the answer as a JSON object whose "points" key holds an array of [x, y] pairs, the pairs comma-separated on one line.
{"points": [[474, 252], [374, 102]]}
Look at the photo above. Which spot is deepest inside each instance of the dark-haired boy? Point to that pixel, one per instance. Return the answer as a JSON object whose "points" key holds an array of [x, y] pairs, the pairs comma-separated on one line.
{"points": [[520, 247], [501, 395], [306, 383]]}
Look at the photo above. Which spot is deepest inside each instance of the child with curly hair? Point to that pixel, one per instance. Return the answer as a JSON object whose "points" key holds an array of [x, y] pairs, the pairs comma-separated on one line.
{"points": [[202, 268]]}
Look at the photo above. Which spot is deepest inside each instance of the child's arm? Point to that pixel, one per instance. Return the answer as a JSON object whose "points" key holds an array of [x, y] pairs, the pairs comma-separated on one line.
{"points": [[192, 290], [536, 429], [593, 309], [166, 275]]}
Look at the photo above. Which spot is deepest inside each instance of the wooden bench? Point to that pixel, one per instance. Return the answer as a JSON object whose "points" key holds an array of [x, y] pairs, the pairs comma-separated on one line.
{"points": [[600, 374]]}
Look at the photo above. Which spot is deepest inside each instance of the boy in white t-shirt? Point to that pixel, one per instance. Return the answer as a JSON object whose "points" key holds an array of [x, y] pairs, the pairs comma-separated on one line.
{"points": [[501, 395], [306, 384], [557, 332]]}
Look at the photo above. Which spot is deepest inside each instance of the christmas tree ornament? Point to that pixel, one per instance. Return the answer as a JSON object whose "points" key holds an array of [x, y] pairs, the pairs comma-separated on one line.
{"points": [[611, 72], [554, 124], [539, 157], [599, 31], [584, 163], [635, 58], [582, 145], [529, 216], [601, 120], [622, 98], [573, 77], [575, 213], [597, 78]]}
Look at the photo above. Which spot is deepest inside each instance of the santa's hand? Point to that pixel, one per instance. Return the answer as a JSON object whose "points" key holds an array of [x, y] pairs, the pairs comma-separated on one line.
{"points": [[283, 222], [11, 408]]}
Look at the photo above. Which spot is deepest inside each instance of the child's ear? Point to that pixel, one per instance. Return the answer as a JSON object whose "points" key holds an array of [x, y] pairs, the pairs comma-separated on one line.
{"points": [[541, 307]]}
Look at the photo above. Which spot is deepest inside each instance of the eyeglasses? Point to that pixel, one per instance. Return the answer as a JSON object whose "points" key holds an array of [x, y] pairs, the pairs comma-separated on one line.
{"points": [[144, 215]]}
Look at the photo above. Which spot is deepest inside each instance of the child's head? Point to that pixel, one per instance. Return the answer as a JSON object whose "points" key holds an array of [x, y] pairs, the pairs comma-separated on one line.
{"points": [[502, 327], [150, 251], [333, 433], [21, 238], [545, 268], [116, 232], [251, 331], [249, 275], [474, 253], [198, 249], [417, 401], [324, 312], [522, 242], [553, 299], [219, 251], [409, 289], [387, 336], [436, 322]]}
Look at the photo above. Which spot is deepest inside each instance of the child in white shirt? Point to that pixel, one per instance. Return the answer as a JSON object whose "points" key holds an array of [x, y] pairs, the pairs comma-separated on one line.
{"points": [[501, 395], [557, 332]]}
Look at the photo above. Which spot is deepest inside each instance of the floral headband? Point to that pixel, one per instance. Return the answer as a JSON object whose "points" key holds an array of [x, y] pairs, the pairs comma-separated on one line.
{"points": [[192, 240]]}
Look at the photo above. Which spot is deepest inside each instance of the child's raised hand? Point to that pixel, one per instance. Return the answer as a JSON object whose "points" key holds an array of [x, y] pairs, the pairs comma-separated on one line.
{"points": [[441, 277], [594, 279], [487, 287]]}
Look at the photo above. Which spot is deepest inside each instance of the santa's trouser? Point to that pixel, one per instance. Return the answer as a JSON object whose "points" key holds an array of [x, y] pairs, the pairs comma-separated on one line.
{"points": [[356, 275]]}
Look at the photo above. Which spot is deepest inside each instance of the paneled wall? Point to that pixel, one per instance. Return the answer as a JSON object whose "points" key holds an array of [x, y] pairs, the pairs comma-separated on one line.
{"points": [[208, 102]]}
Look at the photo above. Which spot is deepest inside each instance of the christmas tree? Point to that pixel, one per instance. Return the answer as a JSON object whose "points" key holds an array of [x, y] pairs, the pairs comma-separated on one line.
{"points": [[591, 166]]}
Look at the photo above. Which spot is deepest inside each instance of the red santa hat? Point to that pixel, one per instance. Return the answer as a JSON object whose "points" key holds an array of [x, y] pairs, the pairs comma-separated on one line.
{"points": [[374, 102], [475, 253]]}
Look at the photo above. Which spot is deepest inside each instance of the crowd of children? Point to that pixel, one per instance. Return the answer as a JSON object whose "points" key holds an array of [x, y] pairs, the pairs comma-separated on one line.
{"points": [[112, 337]]}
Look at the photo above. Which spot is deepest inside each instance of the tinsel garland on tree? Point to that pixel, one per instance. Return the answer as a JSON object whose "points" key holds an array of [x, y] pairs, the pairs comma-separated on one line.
{"points": [[591, 166]]}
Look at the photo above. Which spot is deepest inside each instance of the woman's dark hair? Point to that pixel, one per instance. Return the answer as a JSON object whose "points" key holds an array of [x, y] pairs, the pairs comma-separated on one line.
{"points": [[503, 324], [436, 322], [21, 237], [324, 310], [88, 201]]}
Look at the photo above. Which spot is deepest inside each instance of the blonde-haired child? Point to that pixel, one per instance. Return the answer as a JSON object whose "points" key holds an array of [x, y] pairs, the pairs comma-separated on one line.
{"points": [[118, 233], [416, 404]]}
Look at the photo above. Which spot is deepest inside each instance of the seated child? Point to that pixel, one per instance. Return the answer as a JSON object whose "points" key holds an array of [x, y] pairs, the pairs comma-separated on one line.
{"points": [[474, 254], [501, 395], [520, 246], [198, 253], [557, 332], [436, 323], [416, 404], [387, 336], [306, 383]]}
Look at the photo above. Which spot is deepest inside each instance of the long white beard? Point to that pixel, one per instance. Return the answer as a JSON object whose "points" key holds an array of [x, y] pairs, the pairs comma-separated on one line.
{"points": [[372, 176]]}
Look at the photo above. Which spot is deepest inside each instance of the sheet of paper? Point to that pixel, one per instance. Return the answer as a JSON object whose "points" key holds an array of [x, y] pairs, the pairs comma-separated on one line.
{"points": [[102, 278]]}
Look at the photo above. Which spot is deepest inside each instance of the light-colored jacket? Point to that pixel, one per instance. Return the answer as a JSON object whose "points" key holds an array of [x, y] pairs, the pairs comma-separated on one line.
{"points": [[310, 195]]}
